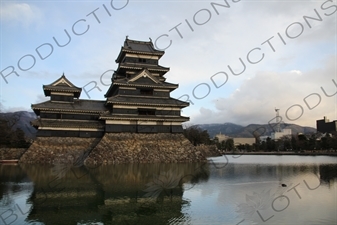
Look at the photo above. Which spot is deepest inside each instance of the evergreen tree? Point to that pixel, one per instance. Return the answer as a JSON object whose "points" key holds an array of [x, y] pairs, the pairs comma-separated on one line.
{"points": [[197, 136], [229, 144]]}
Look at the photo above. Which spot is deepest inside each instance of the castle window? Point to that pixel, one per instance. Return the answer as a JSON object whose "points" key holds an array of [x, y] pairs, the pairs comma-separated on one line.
{"points": [[147, 112], [142, 60], [62, 98], [146, 91]]}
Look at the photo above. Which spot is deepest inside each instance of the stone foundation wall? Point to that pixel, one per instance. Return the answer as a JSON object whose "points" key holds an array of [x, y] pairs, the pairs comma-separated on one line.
{"points": [[116, 148], [53, 150], [11, 153]]}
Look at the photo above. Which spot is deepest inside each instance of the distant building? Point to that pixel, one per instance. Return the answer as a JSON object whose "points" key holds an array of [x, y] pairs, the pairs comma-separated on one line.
{"points": [[325, 126], [237, 141], [264, 138], [221, 137], [243, 141], [278, 135]]}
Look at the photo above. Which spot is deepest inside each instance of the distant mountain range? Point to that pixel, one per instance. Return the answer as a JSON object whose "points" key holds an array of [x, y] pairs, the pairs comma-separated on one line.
{"points": [[24, 122], [229, 129], [234, 130]]}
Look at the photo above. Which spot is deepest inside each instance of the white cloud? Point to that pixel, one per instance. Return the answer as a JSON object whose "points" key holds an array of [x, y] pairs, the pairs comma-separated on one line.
{"points": [[15, 109], [21, 13], [2, 108], [41, 98], [281, 79], [293, 92], [296, 72]]}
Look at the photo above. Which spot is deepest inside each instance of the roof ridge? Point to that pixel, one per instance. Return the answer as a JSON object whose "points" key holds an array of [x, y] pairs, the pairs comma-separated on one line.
{"points": [[138, 41]]}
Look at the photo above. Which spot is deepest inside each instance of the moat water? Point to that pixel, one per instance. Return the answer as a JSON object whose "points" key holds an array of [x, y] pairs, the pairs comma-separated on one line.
{"points": [[231, 189]]}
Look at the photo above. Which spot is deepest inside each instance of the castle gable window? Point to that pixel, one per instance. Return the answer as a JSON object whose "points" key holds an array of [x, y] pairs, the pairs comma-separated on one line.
{"points": [[62, 98], [147, 112], [146, 92]]}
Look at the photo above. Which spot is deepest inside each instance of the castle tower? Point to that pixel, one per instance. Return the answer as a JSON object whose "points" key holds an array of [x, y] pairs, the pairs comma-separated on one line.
{"points": [[139, 97], [137, 123], [65, 115]]}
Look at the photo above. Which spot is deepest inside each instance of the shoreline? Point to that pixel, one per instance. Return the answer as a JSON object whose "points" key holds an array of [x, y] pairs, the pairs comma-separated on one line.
{"points": [[13, 155], [283, 153]]}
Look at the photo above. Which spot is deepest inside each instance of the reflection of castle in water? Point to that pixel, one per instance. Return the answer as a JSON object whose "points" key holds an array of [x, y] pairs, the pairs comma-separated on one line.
{"points": [[141, 194], [136, 194]]}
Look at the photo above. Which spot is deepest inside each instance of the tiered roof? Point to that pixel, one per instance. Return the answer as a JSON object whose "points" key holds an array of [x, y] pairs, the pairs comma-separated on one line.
{"points": [[145, 118], [138, 47], [138, 93], [143, 79], [146, 101], [152, 68], [62, 85], [88, 108], [67, 123], [138, 70], [78, 106]]}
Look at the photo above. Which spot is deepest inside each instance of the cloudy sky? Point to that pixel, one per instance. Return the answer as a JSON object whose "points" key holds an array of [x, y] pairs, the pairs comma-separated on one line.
{"points": [[235, 61]]}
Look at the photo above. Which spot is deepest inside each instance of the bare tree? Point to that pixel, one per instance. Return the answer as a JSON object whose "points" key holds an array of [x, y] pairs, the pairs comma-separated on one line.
{"points": [[9, 135]]}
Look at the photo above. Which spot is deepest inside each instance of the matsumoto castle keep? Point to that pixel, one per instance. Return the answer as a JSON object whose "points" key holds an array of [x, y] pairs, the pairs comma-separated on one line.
{"points": [[137, 123], [138, 100]]}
